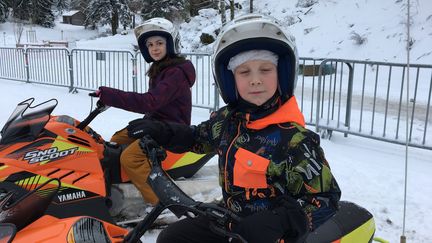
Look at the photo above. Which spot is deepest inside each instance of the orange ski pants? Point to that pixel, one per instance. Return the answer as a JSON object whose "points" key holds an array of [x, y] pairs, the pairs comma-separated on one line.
{"points": [[136, 165]]}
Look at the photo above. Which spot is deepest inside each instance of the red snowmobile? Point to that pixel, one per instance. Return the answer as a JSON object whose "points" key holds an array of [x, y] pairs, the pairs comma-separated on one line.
{"points": [[55, 185]]}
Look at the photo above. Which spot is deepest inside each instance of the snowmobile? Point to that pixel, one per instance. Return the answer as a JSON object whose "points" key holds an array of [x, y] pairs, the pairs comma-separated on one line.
{"points": [[57, 174], [44, 203]]}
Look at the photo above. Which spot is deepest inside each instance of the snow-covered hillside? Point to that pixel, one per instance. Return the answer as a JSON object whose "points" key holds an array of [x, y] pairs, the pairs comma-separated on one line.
{"points": [[327, 29]]}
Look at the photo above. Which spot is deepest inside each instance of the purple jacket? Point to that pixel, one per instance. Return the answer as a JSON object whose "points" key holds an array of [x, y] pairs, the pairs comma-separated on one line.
{"points": [[168, 98]]}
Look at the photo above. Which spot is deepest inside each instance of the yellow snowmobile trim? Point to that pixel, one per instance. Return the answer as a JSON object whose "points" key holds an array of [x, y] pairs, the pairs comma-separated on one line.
{"points": [[34, 181], [381, 240], [62, 144], [187, 159], [359, 234]]}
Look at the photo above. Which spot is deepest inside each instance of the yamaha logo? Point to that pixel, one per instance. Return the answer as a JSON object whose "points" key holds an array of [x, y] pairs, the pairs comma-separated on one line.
{"points": [[71, 196]]}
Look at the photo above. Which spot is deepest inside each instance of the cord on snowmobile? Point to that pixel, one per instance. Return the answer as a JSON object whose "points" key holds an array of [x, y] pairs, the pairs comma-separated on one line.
{"points": [[179, 203]]}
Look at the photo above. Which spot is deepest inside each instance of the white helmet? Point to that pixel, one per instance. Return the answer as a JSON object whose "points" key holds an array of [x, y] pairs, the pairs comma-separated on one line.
{"points": [[253, 32], [158, 27]]}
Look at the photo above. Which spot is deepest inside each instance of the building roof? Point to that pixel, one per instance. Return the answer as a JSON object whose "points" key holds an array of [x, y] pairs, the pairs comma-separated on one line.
{"points": [[71, 13]]}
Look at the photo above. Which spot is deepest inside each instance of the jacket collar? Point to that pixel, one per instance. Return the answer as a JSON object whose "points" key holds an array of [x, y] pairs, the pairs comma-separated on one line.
{"points": [[287, 112]]}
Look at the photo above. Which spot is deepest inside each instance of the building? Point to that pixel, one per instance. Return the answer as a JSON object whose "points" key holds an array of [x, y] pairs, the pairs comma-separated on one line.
{"points": [[74, 17]]}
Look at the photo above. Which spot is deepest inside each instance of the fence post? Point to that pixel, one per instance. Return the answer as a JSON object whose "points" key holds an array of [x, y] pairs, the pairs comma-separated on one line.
{"points": [[320, 74], [134, 72], [349, 96], [26, 65], [71, 87]]}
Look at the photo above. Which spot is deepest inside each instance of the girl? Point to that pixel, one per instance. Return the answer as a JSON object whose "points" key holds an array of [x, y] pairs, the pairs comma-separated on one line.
{"points": [[168, 99]]}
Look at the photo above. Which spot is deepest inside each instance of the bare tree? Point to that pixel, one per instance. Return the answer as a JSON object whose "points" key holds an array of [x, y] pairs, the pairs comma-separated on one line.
{"points": [[135, 6], [222, 10], [18, 28], [250, 6], [231, 9]]}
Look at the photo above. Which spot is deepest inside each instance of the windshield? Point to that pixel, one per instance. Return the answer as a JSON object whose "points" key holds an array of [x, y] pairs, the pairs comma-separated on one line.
{"points": [[26, 121], [7, 232]]}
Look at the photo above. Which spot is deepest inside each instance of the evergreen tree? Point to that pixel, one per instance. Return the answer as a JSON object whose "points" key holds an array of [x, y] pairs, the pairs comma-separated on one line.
{"points": [[41, 13], [36, 11], [78, 4], [62, 5], [3, 11], [20, 9], [169, 9], [125, 14], [108, 12]]}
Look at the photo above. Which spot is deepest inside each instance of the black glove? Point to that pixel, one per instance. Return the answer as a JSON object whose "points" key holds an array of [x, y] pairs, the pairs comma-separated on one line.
{"points": [[158, 130], [287, 222], [96, 93], [149, 145]]}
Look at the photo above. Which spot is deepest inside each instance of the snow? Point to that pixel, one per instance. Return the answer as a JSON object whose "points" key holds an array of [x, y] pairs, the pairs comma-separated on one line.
{"points": [[70, 13], [370, 173]]}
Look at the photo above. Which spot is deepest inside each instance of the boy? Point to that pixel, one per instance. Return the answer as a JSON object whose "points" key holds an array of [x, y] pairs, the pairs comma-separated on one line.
{"points": [[272, 169]]}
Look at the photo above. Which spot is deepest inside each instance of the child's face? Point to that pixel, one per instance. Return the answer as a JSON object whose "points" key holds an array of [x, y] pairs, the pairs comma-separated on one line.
{"points": [[256, 81], [157, 47]]}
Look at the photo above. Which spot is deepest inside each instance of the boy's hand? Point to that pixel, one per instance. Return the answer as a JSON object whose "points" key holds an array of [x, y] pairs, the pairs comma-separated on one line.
{"points": [[285, 223]]}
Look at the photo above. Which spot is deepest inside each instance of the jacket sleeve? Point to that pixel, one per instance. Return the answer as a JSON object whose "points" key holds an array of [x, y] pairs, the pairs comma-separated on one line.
{"points": [[310, 178], [202, 138], [166, 90]]}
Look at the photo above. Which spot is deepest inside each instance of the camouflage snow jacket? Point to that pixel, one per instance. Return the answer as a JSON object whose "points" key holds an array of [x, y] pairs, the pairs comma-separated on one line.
{"points": [[262, 159]]}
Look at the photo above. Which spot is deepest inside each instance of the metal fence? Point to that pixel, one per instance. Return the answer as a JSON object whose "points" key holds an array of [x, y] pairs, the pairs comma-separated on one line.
{"points": [[88, 69], [368, 99], [362, 98]]}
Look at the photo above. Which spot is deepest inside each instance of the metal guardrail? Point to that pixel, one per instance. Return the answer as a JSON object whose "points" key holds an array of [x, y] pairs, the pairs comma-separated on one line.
{"points": [[361, 98], [368, 99], [81, 69]]}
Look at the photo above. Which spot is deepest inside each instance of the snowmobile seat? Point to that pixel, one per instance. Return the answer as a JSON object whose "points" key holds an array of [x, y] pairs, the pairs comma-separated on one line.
{"points": [[351, 223]]}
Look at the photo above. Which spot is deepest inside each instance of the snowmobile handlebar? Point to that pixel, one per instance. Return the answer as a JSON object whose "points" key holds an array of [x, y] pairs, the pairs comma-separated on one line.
{"points": [[100, 107]]}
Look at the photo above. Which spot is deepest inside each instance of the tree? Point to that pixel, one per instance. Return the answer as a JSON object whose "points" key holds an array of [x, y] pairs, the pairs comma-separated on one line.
{"points": [[125, 15], [36, 11], [135, 6], [62, 5], [169, 9], [41, 13], [20, 9], [250, 6], [78, 4], [222, 10], [231, 9], [3, 11], [108, 12], [196, 5]]}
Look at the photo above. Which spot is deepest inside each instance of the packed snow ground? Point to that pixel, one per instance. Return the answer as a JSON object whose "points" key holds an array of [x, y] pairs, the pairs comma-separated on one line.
{"points": [[370, 173]]}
